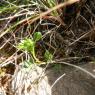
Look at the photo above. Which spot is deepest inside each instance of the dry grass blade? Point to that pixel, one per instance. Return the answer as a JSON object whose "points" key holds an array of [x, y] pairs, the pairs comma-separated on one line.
{"points": [[41, 15]]}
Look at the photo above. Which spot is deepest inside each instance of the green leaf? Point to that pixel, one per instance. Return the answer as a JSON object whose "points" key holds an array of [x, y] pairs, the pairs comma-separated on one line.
{"points": [[48, 56], [37, 36], [27, 45]]}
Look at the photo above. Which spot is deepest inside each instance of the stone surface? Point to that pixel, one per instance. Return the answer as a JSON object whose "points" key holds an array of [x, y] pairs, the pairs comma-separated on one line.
{"points": [[75, 82]]}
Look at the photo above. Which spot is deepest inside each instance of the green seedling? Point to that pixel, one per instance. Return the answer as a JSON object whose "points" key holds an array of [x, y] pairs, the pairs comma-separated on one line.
{"points": [[48, 56], [29, 45]]}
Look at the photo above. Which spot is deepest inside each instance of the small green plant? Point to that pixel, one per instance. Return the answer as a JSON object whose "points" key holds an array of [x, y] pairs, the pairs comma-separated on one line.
{"points": [[29, 45], [48, 56]]}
